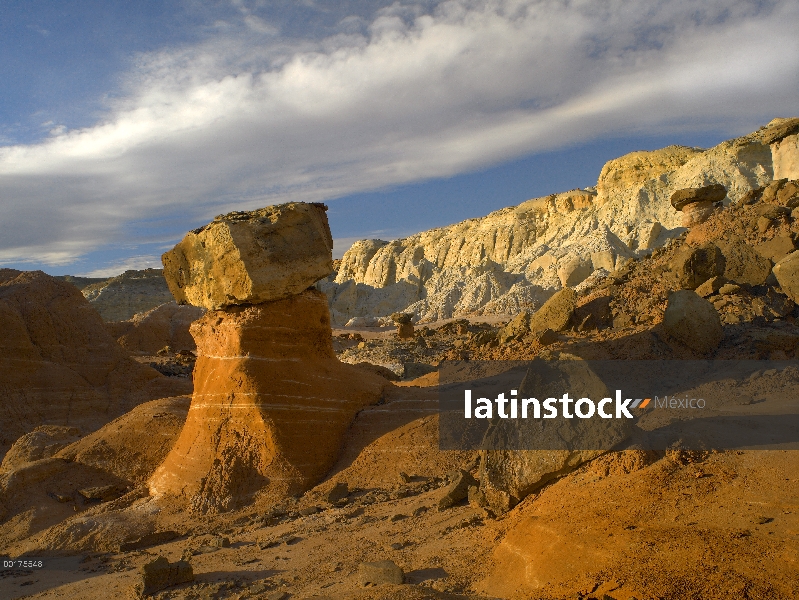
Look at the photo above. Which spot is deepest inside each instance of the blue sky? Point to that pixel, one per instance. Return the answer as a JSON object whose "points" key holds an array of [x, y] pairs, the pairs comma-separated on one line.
{"points": [[123, 125]]}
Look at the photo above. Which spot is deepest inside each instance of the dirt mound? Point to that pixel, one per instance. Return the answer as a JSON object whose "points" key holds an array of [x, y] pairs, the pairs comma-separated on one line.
{"points": [[165, 325], [59, 365], [271, 404], [132, 446], [43, 442]]}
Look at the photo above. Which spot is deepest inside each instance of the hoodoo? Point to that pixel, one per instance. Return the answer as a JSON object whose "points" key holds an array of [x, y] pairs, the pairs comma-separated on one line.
{"points": [[271, 402]]}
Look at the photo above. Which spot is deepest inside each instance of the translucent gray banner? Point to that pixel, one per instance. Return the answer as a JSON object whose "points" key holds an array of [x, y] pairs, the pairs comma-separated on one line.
{"points": [[603, 404]]}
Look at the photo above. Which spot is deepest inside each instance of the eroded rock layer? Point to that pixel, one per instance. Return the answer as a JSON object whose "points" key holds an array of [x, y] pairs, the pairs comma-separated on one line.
{"points": [[271, 404]]}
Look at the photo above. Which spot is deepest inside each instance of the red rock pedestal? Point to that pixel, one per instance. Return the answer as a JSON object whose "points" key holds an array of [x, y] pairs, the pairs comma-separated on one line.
{"points": [[271, 404]]}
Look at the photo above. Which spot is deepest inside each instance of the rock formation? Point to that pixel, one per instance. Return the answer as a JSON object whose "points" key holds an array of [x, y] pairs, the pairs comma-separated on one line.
{"points": [[121, 297], [271, 402], [165, 325], [59, 365], [783, 136], [513, 259], [251, 257]]}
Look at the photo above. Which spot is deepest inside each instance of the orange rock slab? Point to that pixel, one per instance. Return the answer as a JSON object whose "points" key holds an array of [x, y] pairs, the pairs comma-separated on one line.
{"points": [[271, 405]]}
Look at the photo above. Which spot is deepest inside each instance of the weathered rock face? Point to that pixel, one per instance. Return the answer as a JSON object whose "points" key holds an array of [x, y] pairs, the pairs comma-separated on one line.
{"points": [[59, 365], [514, 259], [165, 325], [636, 168], [251, 257], [271, 404], [693, 321], [121, 297], [783, 136]]}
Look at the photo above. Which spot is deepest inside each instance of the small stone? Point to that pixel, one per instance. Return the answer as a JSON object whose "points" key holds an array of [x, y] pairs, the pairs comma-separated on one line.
{"points": [[309, 510], [404, 477], [693, 266], [338, 492], [742, 263], [764, 520], [548, 337], [219, 541], [103, 493], [729, 288], [397, 517], [160, 574], [516, 328], [405, 331], [402, 318], [380, 572], [763, 224], [556, 313], [457, 490], [277, 595], [787, 273], [777, 248], [711, 286]]}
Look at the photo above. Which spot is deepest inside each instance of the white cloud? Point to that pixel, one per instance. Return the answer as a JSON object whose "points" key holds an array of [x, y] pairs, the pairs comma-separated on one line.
{"points": [[240, 121]]}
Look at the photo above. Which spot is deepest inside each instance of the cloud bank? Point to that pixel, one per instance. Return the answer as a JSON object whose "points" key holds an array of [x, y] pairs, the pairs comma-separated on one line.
{"points": [[241, 121]]}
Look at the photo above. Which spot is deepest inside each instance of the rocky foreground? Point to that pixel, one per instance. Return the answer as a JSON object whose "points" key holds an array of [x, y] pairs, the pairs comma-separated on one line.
{"points": [[304, 460]]}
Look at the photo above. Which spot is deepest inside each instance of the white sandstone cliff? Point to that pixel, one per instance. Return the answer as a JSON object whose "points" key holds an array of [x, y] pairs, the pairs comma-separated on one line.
{"points": [[515, 258]]}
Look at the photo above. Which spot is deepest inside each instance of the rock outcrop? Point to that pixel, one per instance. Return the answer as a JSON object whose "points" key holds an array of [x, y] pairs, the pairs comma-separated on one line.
{"points": [[252, 257], [271, 402], [133, 292], [514, 259], [59, 365], [165, 325]]}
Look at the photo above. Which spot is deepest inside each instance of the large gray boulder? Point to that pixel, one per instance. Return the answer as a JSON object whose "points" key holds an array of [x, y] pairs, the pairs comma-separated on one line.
{"points": [[693, 321], [551, 447], [251, 257]]}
